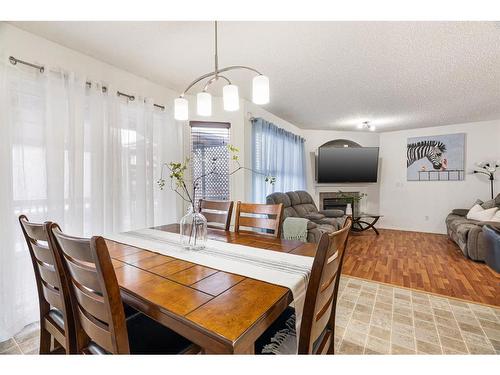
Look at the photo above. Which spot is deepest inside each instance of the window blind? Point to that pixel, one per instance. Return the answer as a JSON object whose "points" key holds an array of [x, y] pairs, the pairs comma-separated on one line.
{"points": [[209, 142]]}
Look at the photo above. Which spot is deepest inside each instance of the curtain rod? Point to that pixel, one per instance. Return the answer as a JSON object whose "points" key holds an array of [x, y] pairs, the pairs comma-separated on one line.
{"points": [[41, 68]]}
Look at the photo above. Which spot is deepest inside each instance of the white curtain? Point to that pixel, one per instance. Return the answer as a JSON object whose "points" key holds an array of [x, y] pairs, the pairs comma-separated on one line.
{"points": [[279, 153], [81, 157]]}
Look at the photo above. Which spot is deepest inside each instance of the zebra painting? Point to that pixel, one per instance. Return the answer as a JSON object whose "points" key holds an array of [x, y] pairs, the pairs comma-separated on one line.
{"points": [[435, 158], [432, 150]]}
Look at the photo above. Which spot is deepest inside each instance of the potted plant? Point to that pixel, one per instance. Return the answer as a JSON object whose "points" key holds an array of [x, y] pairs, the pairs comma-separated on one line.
{"points": [[193, 226]]}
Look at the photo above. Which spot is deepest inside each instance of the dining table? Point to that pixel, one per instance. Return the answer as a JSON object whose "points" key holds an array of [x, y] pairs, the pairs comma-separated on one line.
{"points": [[221, 312]]}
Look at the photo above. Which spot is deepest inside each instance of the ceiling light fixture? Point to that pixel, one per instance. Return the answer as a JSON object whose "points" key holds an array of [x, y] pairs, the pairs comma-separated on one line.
{"points": [[366, 126], [230, 92]]}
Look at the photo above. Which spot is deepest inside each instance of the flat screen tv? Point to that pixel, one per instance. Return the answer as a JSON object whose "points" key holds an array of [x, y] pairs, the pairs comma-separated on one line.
{"points": [[347, 164]]}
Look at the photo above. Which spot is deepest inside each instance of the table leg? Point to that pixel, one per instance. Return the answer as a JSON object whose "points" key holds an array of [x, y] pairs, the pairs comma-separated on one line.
{"points": [[357, 227]]}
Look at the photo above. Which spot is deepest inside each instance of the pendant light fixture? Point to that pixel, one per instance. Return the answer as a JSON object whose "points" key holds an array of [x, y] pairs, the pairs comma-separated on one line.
{"points": [[230, 92]]}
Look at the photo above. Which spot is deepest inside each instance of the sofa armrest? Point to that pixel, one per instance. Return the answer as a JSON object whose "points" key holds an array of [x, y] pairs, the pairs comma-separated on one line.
{"points": [[460, 211], [311, 225], [494, 224], [332, 213]]}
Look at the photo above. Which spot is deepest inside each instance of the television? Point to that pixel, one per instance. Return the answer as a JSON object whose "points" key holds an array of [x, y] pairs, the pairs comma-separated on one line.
{"points": [[347, 164]]}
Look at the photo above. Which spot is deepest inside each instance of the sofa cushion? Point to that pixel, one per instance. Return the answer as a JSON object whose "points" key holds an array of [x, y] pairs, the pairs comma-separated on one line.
{"points": [[305, 197], [289, 212], [305, 209], [333, 213], [277, 198], [496, 217], [481, 214], [489, 204], [294, 198], [314, 216]]}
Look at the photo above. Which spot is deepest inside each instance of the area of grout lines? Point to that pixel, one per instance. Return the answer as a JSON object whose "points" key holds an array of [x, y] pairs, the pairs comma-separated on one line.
{"points": [[374, 318]]}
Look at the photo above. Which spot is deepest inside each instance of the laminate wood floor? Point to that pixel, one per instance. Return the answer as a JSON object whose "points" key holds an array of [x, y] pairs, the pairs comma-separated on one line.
{"points": [[422, 261]]}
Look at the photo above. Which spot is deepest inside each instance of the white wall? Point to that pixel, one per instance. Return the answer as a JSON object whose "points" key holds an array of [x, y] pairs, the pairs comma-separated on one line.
{"points": [[30, 47], [423, 206]]}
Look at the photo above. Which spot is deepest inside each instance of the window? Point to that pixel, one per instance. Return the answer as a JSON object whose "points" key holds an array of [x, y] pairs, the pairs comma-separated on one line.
{"points": [[209, 142], [279, 153]]}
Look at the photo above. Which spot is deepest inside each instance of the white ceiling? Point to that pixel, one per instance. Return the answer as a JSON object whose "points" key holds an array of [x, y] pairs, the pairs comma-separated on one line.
{"points": [[324, 75]]}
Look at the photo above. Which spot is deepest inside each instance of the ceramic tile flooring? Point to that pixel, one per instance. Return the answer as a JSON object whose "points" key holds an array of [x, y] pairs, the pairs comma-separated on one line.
{"points": [[374, 318]]}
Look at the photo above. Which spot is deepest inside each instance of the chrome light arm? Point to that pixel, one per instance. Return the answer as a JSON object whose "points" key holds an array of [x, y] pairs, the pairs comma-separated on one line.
{"points": [[215, 73]]}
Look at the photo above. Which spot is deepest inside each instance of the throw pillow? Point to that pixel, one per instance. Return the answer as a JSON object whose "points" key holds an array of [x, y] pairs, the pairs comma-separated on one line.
{"points": [[478, 201], [480, 214], [496, 217], [488, 204]]}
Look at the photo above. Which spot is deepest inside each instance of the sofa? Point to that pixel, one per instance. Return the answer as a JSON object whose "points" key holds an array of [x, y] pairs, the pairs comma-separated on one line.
{"points": [[492, 239], [301, 204], [468, 234]]}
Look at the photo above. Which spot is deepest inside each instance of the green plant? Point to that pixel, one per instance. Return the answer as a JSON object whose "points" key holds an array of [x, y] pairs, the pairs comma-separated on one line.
{"points": [[355, 198], [178, 181]]}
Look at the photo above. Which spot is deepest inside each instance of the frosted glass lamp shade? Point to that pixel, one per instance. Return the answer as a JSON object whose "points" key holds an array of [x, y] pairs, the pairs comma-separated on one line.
{"points": [[231, 98], [204, 104], [181, 111], [260, 89]]}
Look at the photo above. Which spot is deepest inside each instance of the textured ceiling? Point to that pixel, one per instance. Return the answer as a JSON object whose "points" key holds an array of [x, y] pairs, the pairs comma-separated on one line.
{"points": [[324, 75]]}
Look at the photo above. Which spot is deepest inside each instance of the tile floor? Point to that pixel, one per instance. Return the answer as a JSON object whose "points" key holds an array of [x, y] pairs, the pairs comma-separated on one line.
{"points": [[374, 318]]}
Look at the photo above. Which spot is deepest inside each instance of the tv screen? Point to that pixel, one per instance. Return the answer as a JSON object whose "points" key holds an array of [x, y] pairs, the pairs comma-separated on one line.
{"points": [[347, 164]]}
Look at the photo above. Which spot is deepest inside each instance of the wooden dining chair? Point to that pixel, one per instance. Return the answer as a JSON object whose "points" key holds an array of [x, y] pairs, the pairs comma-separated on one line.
{"points": [[266, 217], [342, 249], [101, 326], [56, 316], [318, 318], [217, 213]]}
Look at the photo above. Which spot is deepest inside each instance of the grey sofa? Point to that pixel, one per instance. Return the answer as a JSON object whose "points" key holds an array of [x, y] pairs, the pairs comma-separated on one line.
{"points": [[468, 234], [300, 204]]}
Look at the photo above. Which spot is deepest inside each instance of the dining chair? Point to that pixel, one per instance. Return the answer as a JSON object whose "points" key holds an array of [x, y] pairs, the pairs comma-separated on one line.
{"points": [[217, 213], [56, 316], [336, 242], [266, 217], [317, 327], [101, 325]]}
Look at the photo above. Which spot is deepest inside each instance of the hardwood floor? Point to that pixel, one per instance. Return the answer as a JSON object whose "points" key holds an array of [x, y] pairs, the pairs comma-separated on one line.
{"points": [[422, 261]]}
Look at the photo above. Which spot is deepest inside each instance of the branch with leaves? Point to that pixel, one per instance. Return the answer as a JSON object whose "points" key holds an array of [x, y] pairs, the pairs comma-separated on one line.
{"points": [[178, 175]]}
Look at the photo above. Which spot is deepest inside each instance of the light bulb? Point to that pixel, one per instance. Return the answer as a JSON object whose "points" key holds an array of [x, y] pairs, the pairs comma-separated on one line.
{"points": [[181, 111], [260, 89], [204, 103], [231, 98], [371, 127]]}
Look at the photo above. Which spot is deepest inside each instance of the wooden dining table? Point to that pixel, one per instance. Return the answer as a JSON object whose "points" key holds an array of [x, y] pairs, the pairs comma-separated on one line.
{"points": [[219, 311]]}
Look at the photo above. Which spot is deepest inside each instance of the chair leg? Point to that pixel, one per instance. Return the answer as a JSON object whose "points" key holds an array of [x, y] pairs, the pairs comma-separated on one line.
{"points": [[45, 340]]}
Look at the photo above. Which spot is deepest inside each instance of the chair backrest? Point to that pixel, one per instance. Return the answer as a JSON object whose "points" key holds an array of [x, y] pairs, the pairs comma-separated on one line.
{"points": [[259, 216], [51, 282], [95, 294], [217, 213], [318, 320]]}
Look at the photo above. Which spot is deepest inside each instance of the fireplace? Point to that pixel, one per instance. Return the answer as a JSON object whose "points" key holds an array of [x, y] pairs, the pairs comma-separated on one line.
{"points": [[339, 201]]}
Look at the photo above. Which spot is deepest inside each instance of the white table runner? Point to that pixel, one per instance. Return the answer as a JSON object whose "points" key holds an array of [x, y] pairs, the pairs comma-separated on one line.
{"points": [[288, 270]]}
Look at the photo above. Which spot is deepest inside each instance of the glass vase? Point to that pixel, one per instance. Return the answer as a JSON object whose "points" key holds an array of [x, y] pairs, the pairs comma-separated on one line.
{"points": [[193, 230]]}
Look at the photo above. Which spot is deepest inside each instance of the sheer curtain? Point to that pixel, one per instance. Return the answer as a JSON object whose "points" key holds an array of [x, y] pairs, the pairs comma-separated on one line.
{"points": [[79, 156], [279, 153]]}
